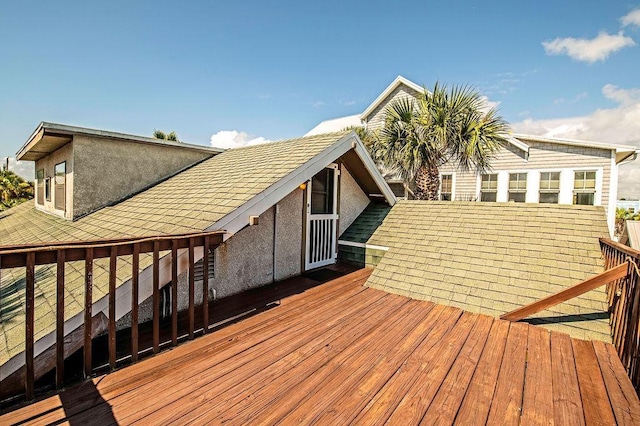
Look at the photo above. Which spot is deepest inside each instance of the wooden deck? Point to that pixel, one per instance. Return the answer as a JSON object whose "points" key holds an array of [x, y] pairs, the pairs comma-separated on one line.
{"points": [[342, 353]]}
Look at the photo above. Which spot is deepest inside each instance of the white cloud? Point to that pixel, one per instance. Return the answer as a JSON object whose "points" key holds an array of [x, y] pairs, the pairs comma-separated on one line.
{"points": [[593, 50], [631, 18], [489, 104], [577, 98], [621, 96], [620, 125], [24, 169], [318, 104], [235, 139]]}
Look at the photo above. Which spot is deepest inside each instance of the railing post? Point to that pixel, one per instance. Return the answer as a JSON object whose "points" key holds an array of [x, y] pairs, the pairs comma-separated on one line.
{"points": [[88, 302], [205, 286], [191, 288], [174, 292], [156, 296], [29, 325], [113, 259], [60, 268], [135, 273]]}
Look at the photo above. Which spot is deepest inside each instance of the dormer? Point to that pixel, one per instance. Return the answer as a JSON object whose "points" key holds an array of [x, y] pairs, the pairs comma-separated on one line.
{"points": [[81, 170]]}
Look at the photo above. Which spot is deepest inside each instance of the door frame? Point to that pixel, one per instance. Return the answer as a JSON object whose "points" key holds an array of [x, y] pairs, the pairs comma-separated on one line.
{"points": [[332, 254]]}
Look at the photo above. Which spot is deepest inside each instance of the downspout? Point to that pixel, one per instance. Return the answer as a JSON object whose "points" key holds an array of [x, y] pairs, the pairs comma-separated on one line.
{"points": [[275, 239]]}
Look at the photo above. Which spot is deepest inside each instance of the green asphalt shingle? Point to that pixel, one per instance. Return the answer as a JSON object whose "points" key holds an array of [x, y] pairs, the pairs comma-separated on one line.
{"points": [[492, 258], [190, 201]]}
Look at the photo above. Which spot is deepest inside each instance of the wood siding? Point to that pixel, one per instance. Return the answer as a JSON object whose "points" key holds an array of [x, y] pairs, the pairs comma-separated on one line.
{"points": [[375, 120], [542, 156]]}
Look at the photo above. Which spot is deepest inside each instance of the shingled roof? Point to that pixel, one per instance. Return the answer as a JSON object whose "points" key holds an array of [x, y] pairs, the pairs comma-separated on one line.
{"points": [[194, 200], [491, 258]]}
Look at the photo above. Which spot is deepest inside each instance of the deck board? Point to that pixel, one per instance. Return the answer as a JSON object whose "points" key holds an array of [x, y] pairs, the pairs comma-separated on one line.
{"points": [[342, 353]]}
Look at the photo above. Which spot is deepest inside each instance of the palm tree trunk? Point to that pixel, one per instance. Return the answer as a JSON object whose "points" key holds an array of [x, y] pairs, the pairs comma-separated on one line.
{"points": [[427, 184]]}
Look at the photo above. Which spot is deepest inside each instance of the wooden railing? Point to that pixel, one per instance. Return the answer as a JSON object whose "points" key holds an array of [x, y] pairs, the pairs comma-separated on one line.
{"points": [[30, 256], [623, 296]]}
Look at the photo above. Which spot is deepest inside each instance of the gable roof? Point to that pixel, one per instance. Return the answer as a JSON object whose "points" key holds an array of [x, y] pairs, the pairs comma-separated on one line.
{"points": [[48, 137], [518, 140], [219, 193], [193, 200], [623, 152], [399, 81], [491, 258]]}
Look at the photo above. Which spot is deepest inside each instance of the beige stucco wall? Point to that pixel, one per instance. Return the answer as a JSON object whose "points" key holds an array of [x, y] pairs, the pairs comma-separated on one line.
{"points": [[375, 120], [289, 235], [48, 163], [108, 170], [352, 200]]}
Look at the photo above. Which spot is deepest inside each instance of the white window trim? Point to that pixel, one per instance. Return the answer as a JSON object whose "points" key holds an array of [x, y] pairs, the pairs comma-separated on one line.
{"points": [[453, 184], [479, 185], [597, 198]]}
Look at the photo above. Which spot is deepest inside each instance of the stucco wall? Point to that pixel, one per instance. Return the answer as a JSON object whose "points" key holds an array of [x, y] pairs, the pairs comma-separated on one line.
{"points": [[352, 200], [289, 235], [108, 170], [48, 163]]}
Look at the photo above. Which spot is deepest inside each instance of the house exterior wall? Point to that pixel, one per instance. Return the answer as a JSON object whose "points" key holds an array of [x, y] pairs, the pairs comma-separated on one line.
{"points": [[352, 200], [48, 163], [375, 120], [108, 170], [543, 157]]}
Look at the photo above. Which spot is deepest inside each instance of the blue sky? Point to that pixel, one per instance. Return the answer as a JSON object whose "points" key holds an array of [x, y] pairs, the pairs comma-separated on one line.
{"points": [[276, 69]]}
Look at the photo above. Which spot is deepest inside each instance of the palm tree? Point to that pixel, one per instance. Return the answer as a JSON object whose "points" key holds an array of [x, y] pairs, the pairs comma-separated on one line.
{"points": [[13, 189], [442, 126], [171, 136]]}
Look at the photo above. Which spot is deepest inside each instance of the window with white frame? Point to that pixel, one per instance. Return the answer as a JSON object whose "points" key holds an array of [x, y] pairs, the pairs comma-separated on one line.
{"points": [[60, 186], [489, 187], [517, 187], [40, 186], [549, 187], [446, 187], [584, 187]]}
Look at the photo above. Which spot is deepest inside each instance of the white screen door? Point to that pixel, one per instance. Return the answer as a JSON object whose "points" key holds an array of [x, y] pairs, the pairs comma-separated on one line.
{"points": [[322, 218]]}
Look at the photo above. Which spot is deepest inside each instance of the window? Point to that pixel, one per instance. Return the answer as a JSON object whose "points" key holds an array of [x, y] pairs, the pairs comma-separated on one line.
{"points": [[60, 183], [446, 187], [489, 188], [517, 187], [549, 187], [47, 189], [40, 186], [322, 192], [584, 188]]}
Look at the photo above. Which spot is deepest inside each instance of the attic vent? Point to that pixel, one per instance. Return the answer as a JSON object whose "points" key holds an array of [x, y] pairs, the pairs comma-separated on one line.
{"points": [[198, 270]]}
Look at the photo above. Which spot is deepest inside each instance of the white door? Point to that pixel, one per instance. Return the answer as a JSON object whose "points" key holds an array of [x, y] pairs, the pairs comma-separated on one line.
{"points": [[322, 218]]}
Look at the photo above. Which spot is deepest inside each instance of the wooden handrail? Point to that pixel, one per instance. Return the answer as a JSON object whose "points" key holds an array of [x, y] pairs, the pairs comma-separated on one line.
{"points": [[629, 251], [16, 257], [59, 254], [601, 279]]}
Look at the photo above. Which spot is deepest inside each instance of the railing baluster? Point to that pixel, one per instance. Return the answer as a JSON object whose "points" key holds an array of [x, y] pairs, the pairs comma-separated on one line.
{"points": [[60, 267], [191, 288], [174, 292], [205, 286], [29, 325], [88, 302], [30, 256], [113, 259], [135, 274], [156, 296]]}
